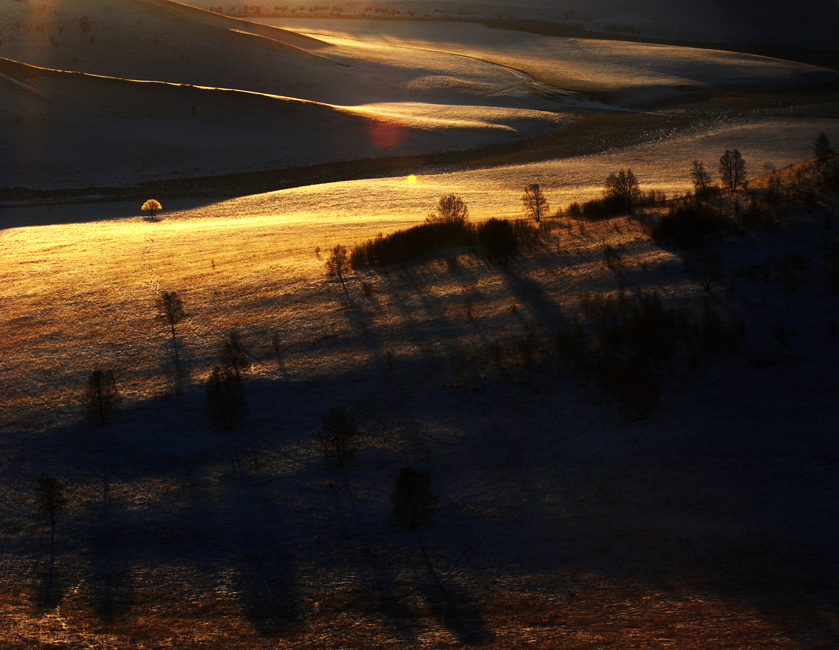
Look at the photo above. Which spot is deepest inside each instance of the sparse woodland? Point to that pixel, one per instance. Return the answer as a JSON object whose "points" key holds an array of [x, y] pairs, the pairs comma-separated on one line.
{"points": [[615, 308], [477, 325]]}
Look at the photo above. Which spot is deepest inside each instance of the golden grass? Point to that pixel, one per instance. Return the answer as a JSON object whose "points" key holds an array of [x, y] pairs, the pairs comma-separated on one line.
{"points": [[76, 297], [595, 613]]}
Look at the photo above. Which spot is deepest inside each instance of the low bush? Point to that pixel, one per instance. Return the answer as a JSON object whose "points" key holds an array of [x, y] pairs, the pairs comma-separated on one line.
{"points": [[404, 245], [499, 239], [687, 225]]}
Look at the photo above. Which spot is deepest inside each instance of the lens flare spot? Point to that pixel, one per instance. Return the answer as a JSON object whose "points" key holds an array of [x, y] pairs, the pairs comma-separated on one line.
{"points": [[384, 135]]}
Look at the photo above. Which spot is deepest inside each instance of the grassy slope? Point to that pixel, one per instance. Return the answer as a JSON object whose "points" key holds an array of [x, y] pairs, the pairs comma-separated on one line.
{"points": [[561, 522]]}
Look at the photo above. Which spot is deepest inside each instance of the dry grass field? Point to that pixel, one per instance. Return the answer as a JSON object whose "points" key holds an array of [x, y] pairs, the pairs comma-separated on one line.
{"points": [[562, 522], [631, 433]]}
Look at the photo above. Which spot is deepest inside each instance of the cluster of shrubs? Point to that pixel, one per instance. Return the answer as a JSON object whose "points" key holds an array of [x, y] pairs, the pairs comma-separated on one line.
{"points": [[611, 206], [624, 342], [688, 224], [448, 227]]}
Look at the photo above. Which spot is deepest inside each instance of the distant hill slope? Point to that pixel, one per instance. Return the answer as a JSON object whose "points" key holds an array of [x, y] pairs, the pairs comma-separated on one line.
{"points": [[807, 23], [164, 41]]}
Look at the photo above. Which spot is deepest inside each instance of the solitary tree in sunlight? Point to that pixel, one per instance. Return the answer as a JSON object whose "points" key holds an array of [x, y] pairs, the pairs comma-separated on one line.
{"points": [[623, 188], [338, 264], [337, 436], [170, 309], [101, 396], [232, 353], [151, 207], [413, 499], [49, 499], [732, 170], [450, 209], [535, 202]]}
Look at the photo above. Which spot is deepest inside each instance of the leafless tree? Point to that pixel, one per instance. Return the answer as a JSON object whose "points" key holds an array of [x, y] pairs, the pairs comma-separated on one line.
{"points": [[534, 200], [170, 309], [232, 353], [623, 188], [822, 147], [337, 436], [732, 170], [450, 209], [226, 403], [702, 184], [338, 264], [101, 396]]}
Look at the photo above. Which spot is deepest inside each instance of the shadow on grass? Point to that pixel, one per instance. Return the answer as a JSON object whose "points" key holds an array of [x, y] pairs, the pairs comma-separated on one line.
{"points": [[267, 591], [50, 586]]}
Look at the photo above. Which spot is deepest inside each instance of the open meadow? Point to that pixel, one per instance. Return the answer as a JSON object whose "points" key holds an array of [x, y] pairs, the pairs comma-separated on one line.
{"points": [[627, 414]]}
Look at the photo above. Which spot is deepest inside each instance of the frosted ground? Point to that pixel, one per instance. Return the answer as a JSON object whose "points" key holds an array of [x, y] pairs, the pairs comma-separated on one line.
{"points": [[562, 522], [285, 100]]}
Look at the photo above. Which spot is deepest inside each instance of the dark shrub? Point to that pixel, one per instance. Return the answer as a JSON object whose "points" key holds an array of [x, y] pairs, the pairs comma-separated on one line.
{"points": [[413, 499], [338, 435], [686, 226], [498, 239], [404, 245], [226, 403]]}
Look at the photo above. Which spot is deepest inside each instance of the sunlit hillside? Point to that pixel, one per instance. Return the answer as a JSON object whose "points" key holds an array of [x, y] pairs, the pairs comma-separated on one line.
{"points": [[440, 324]]}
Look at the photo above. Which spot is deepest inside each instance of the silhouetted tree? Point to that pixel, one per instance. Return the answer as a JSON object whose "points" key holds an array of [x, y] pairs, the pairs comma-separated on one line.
{"points": [[49, 499], [338, 264], [101, 396], [170, 309], [732, 170], [450, 209], [232, 353], [535, 202], [337, 436], [151, 207], [226, 403], [702, 184], [623, 188], [413, 499], [822, 147]]}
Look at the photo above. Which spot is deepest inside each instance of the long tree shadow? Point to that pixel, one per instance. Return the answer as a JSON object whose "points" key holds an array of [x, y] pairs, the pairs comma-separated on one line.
{"points": [[454, 607], [50, 586], [266, 583], [109, 585]]}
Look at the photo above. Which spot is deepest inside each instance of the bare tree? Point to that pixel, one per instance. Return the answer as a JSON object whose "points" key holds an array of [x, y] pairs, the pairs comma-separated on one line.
{"points": [[232, 353], [170, 309], [704, 266], [535, 202], [49, 499], [226, 403], [338, 264], [702, 184], [101, 396], [732, 170], [822, 147], [337, 436], [623, 188], [450, 209], [151, 208], [413, 499]]}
